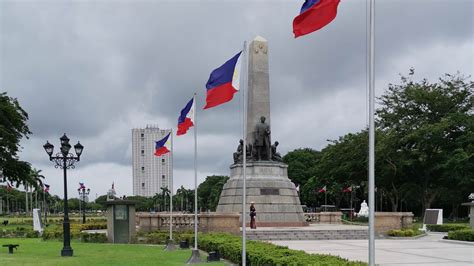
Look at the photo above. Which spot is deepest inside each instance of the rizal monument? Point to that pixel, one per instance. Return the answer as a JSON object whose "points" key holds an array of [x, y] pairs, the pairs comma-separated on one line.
{"points": [[268, 187]]}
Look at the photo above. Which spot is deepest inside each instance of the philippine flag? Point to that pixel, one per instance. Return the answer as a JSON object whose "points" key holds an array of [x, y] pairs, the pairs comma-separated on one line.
{"points": [[46, 188], [314, 15], [186, 119], [223, 82], [322, 190], [160, 147], [81, 185]]}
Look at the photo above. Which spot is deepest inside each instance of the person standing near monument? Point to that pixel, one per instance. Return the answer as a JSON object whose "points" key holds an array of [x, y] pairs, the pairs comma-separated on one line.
{"points": [[262, 141], [253, 214]]}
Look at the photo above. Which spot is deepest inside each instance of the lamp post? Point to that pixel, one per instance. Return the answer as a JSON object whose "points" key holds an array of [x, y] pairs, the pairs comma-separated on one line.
{"points": [[83, 193], [65, 160]]}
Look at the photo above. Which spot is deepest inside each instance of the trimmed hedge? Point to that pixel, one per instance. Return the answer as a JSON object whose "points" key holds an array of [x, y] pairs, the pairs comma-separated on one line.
{"points": [[18, 232], [446, 227], [261, 253], [463, 235], [160, 237], [93, 238], [75, 230], [405, 232]]}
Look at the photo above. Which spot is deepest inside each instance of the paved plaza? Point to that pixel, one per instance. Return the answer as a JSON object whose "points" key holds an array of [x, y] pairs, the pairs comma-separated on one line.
{"points": [[427, 250]]}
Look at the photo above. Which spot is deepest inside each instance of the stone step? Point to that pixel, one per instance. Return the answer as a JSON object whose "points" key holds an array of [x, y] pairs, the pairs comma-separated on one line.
{"points": [[306, 234]]}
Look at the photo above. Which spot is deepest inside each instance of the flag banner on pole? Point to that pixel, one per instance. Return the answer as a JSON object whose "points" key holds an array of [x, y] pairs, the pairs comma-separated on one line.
{"points": [[9, 187], [347, 189], [223, 82], [46, 188], [322, 190], [314, 15], [81, 185], [186, 118], [160, 147]]}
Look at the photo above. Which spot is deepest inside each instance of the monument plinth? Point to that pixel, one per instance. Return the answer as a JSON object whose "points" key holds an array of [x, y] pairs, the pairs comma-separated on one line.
{"points": [[268, 186]]}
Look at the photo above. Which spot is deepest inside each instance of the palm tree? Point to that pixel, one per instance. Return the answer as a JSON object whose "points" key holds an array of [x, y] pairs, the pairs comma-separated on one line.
{"points": [[165, 192]]}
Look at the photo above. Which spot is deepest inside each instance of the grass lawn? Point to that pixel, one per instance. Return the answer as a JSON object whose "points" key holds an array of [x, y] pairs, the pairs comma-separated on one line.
{"points": [[35, 251]]}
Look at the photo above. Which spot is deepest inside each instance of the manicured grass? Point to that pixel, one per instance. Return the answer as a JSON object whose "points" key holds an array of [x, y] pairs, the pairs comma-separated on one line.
{"points": [[39, 252]]}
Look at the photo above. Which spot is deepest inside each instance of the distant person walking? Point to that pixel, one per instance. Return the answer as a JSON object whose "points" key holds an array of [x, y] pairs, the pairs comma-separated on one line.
{"points": [[253, 214]]}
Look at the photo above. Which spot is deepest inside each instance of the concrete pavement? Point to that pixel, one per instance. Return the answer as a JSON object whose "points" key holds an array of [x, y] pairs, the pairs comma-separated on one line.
{"points": [[428, 250]]}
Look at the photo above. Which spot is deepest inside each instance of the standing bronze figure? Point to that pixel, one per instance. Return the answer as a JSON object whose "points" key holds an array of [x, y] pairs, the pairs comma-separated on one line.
{"points": [[262, 141]]}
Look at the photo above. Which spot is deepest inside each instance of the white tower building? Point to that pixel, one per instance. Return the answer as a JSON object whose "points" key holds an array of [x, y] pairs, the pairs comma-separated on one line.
{"points": [[150, 173]]}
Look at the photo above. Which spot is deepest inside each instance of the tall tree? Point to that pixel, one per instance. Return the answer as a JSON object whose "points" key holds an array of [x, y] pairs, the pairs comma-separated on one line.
{"points": [[431, 127], [210, 190], [302, 164], [13, 128]]}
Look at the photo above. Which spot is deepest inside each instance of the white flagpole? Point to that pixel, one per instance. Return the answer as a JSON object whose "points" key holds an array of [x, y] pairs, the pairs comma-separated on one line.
{"points": [[371, 136], [195, 177], [244, 151], [170, 187]]}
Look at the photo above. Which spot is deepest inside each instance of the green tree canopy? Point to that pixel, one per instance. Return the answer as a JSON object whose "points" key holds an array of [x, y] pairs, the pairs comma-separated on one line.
{"points": [[210, 190], [13, 128]]}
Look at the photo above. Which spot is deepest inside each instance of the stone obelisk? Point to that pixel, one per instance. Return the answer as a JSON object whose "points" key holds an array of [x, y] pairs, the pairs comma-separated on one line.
{"points": [[268, 186], [258, 94]]}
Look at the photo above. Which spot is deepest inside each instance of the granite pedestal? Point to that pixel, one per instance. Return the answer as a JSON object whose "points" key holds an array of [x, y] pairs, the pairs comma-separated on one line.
{"points": [[275, 196]]}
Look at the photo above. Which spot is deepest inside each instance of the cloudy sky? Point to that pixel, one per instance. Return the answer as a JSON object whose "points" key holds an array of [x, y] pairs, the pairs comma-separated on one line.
{"points": [[97, 69]]}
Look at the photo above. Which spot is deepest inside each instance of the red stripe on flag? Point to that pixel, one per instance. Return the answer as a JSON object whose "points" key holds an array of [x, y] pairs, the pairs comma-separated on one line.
{"points": [[219, 95], [161, 151], [315, 17], [183, 127]]}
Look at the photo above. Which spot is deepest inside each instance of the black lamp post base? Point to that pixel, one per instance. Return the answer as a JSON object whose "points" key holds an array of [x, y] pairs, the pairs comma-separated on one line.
{"points": [[170, 245], [195, 257], [66, 252]]}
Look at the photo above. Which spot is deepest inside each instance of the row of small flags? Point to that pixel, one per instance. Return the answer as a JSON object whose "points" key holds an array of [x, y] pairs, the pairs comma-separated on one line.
{"points": [[223, 82]]}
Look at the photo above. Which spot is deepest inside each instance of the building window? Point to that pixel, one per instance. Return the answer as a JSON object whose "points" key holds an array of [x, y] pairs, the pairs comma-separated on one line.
{"points": [[142, 135], [163, 160], [143, 152], [163, 176], [143, 169], [143, 185]]}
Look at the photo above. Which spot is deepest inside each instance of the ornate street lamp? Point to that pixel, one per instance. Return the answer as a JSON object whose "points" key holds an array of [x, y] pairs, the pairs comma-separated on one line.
{"points": [[83, 193], [65, 160]]}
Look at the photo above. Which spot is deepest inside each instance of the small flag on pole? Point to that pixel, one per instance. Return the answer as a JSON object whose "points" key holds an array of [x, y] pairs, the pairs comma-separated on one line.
{"points": [[223, 82], [347, 189], [46, 188], [314, 15], [322, 190], [9, 187], [160, 147], [81, 185], [186, 118]]}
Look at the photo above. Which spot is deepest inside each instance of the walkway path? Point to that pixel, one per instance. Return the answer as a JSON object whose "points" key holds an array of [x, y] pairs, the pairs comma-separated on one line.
{"points": [[427, 250]]}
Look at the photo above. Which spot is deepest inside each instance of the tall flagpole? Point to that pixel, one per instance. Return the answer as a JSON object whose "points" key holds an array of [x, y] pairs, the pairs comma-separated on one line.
{"points": [[170, 245], [244, 157], [195, 257], [371, 136]]}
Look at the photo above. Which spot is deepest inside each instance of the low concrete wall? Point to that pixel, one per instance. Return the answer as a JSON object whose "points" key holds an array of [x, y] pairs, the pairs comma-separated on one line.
{"points": [[323, 217], [207, 222], [385, 221]]}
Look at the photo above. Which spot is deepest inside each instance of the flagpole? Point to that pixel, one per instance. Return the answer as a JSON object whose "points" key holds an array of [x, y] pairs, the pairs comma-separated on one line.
{"points": [[195, 257], [170, 245], [244, 157], [371, 136]]}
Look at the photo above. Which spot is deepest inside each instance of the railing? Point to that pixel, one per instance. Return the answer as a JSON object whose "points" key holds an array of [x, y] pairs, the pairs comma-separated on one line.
{"points": [[207, 222], [323, 217]]}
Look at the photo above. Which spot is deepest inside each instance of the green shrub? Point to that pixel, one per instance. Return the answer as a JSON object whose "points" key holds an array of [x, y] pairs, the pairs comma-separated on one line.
{"points": [[405, 232], [160, 237], [446, 227], [93, 238], [18, 232], [463, 235], [261, 253]]}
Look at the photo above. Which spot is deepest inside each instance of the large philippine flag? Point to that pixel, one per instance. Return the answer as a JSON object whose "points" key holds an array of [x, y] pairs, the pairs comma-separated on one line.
{"points": [[160, 147], [186, 118], [223, 82], [314, 15]]}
